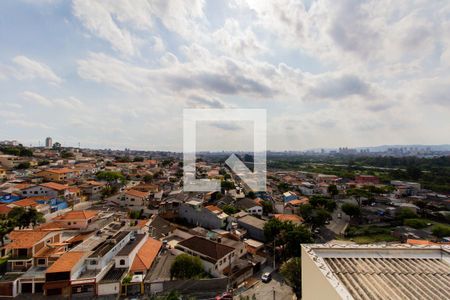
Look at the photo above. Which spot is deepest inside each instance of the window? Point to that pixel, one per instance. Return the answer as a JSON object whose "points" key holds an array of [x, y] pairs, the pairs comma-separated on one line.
{"points": [[41, 261], [122, 262], [93, 262], [19, 263]]}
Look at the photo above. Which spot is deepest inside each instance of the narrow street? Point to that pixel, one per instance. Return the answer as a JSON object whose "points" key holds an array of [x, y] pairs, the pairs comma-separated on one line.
{"points": [[265, 291]]}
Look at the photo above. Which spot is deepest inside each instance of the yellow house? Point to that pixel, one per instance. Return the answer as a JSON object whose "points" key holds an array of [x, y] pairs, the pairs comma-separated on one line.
{"points": [[2, 173], [58, 175]]}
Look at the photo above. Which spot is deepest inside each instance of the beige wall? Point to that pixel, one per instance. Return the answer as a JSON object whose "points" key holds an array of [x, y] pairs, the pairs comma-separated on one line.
{"points": [[315, 286]]}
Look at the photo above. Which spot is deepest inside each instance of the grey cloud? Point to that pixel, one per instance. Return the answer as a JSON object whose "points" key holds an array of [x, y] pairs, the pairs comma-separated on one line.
{"points": [[226, 126], [344, 86], [200, 101]]}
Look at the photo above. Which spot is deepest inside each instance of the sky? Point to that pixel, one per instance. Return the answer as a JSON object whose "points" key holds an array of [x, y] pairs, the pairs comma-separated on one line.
{"points": [[118, 74]]}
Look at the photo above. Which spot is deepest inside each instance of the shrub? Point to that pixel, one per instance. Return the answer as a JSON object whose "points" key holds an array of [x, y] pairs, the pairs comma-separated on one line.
{"points": [[415, 223]]}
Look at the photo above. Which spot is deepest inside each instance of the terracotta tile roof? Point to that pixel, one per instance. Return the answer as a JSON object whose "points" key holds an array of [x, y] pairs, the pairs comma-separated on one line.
{"points": [[60, 171], [77, 215], [146, 255], [51, 226], [74, 189], [66, 262], [25, 238], [27, 202], [289, 217], [419, 242], [4, 209], [212, 208], [55, 186], [96, 183], [142, 223], [301, 201], [136, 193], [21, 186]]}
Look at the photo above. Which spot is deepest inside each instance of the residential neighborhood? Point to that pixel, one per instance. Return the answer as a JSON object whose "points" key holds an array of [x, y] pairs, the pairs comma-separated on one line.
{"points": [[123, 225]]}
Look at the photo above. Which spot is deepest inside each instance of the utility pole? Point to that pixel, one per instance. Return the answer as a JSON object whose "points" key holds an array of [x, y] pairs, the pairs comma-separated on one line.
{"points": [[273, 290]]}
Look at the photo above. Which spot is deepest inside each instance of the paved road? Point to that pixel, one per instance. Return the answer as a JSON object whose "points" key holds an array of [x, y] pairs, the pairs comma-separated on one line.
{"points": [[264, 291]]}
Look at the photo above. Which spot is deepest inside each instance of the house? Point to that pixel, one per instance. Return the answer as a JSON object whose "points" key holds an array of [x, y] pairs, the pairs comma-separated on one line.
{"points": [[59, 276], [58, 175], [289, 218], [133, 199], [159, 227], [293, 207], [331, 271], [289, 196], [210, 217], [145, 257], [250, 206], [53, 190], [327, 179], [76, 219], [254, 227], [367, 179], [11, 161], [26, 247], [307, 188], [92, 189], [215, 257], [2, 173], [125, 257]]}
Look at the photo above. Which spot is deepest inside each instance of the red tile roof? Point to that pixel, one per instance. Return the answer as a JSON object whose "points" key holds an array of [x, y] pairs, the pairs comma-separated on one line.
{"points": [[136, 193], [77, 215], [55, 186], [25, 238], [289, 217], [66, 262], [146, 255]]}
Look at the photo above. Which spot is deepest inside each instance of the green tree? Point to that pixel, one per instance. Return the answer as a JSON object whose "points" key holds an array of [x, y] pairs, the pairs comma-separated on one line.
{"points": [[148, 178], [352, 210], [110, 176], [6, 226], [66, 154], [23, 166], [333, 190], [292, 273], [267, 207], [358, 193], [230, 209], [138, 159], [227, 185], [186, 267], [320, 217], [441, 231], [406, 213]]}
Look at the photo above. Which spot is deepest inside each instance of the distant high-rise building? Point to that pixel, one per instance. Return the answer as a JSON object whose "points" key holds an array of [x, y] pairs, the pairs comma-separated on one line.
{"points": [[48, 142]]}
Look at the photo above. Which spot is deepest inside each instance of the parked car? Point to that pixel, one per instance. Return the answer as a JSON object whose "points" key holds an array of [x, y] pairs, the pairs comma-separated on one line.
{"points": [[266, 277]]}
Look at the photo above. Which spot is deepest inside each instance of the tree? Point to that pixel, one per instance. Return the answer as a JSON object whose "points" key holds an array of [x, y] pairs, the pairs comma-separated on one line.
{"points": [[148, 178], [227, 185], [357, 194], [110, 176], [333, 190], [292, 273], [441, 231], [267, 207], [230, 209], [306, 211], [320, 217], [6, 226], [138, 159], [22, 217], [23, 166], [186, 267], [351, 210], [66, 154], [406, 213]]}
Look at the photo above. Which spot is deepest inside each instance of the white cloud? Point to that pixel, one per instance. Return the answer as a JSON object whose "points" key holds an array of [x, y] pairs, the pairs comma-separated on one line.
{"points": [[30, 69], [36, 98]]}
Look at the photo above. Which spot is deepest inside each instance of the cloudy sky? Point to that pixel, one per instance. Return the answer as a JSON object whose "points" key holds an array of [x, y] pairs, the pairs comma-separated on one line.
{"points": [[116, 74]]}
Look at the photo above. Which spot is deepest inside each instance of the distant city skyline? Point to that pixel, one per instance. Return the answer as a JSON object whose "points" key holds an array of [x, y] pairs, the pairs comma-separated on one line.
{"points": [[331, 74]]}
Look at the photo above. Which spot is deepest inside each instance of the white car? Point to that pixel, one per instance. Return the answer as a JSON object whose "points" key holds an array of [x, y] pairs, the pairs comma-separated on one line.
{"points": [[266, 277]]}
